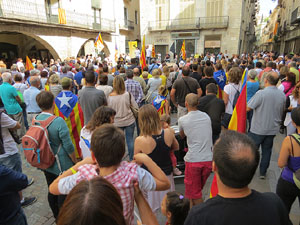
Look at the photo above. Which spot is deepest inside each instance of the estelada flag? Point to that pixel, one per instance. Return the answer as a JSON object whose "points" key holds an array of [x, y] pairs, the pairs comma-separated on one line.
{"points": [[28, 65], [214, 188], [68, 108], [153, 52], [239, 115], [183, 54], [220, 78], [143, 55], [62, 16], [116, 53], [99, 42]]}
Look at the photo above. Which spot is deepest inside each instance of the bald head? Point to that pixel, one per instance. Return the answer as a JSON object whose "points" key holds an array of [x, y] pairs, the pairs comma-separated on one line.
{"points": [[272, 78], [191, 101], [35, 81], [136, 72]]}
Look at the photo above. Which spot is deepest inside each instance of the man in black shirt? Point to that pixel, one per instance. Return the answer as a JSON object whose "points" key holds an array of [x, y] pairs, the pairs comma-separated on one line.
{"points": [[214, 107], [195, 73], [235, 160], [209, 73]]}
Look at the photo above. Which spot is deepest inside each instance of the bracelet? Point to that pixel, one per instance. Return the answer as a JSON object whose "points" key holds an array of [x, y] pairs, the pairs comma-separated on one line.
{"points": [[73, 171]]}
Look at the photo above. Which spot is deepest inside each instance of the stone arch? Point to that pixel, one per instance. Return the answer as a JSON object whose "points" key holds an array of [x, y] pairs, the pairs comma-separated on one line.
{"points": [[28, 46], [105, 49]]}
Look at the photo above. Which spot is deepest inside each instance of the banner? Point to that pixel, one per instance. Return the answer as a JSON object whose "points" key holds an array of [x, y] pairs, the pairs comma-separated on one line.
{"points": [[132, 47]]}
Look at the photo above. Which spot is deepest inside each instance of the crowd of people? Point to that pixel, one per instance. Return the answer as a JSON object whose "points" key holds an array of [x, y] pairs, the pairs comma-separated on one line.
{"points": [[108, 130]]}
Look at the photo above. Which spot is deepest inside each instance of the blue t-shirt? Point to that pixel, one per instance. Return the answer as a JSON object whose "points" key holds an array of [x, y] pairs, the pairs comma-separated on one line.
{"points": [[252, 88], [78, 77], [8, 94]]}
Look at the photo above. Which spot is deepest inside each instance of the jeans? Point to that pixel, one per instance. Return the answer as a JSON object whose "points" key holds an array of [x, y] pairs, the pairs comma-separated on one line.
{"points": [[12, 162], [266, 143], [249, 118], [55, 201], [129, 131], [288, 192], [18, 219]]}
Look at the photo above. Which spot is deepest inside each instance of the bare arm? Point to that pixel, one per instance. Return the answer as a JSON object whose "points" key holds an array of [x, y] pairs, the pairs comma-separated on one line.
{"points": [[199, 92], [172, 95], [161, 180], [18, 99], [284, 152], [182, 134], [18, 126], [226, 98]]}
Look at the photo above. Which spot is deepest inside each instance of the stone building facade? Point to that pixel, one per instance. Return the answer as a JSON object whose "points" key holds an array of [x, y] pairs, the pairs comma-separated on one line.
{"points": [[31, 27], [205, 25]]}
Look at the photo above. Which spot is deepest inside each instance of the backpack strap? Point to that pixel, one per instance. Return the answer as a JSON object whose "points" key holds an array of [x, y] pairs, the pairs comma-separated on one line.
{"points": [[296, 137], [292, 145], [43, 123]]}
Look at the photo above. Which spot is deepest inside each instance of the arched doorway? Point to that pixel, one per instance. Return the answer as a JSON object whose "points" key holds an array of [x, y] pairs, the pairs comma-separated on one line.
{"points": [[88, 48], [19, 45]]}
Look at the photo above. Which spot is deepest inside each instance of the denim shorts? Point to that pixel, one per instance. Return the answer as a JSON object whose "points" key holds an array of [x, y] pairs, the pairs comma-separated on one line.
{"points": [[12, 162]]}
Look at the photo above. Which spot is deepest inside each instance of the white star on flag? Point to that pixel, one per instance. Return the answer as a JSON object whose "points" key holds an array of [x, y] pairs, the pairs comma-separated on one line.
{"points": [[221, 78], [64, 100]]}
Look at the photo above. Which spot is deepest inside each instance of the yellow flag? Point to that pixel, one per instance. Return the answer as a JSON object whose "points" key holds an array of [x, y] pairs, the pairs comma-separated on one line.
{"points": [[62, 16], [28, 65], [183, 54]]}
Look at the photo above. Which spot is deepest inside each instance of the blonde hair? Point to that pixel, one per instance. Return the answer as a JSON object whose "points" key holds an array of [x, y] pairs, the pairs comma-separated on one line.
{"points": [[192, 100], [155, 73], [54, 79], [296, 91], [166, 71], [162, 90], [145, 74], [149, 120], [119, 85]]}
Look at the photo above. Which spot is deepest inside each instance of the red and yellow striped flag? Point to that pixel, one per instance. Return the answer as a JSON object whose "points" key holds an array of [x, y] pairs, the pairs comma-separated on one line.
{"points": [[143, 55], [28, 65], [68, 108], [153, 52], [99, 43], [183, 53], [62, 16]]}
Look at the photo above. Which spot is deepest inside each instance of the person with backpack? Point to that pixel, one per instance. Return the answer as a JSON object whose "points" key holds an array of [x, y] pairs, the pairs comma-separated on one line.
{"points": [[231, 93], [288, 186], [59, 141], [153, 66]]}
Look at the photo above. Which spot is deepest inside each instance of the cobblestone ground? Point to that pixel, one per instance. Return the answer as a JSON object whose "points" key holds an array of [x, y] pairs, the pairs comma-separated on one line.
{"points": [[40, 214]]}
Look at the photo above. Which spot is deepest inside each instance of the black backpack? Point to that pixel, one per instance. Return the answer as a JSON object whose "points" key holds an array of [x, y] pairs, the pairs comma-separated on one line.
{"points": [[1, 139]]}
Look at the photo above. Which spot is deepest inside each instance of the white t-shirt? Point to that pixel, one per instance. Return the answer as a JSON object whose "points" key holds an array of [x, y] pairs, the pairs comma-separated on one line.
{"points": [[20, 87], [145, 179], [231, 89], [10, 146], [148, 52], [137, 53], [197, 128], [85, 142], [106, 88]]}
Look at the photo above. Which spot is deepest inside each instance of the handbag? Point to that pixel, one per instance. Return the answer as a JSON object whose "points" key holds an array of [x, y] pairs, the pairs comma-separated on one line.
{"points": [[135, 111]]}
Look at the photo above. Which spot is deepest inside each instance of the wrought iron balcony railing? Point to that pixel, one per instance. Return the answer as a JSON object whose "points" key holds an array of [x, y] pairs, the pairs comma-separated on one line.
{"points": [[37, 13], [190, 23]]}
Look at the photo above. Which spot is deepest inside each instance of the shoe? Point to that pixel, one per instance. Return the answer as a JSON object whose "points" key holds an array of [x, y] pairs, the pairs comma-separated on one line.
{"points": [[176, 171], [30, 182], [263, 177], [28, 201]]}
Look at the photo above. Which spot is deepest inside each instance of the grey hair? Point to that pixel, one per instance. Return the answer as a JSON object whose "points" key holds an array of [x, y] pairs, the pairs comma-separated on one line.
{"points": [[22, 69], [34, 81], [53, 68], [293, 64], [6, 77], [14, 67], [34, 72], [252, 74]]}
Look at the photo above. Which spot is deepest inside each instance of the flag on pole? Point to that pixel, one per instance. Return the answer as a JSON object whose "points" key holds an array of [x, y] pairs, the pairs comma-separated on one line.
{"points": [[183, 54], [68, 108], [143, 55], [237, 122], [99, 43], [153, 52], [116, 52], [62, 16], [28, 65], [239, 116]]}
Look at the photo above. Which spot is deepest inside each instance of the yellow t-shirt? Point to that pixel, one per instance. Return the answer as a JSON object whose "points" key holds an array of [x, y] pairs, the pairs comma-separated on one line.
{"points": [[149, 76], [163, 80]]}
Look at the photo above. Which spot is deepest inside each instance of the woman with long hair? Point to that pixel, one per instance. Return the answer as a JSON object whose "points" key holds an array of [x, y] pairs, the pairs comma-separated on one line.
{"points": [[121, 101], [157, 144], [102, 115]]}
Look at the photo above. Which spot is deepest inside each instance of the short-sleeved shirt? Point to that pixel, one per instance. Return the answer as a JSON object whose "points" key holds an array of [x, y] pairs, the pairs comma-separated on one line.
{"points": [[231, 90], [8, 95], [30, 100], [10, 146], [78, 77], [256, 208], [197, 128], [183, 87], [252, 88], [268, 105], [204, 82], [90, 99]]}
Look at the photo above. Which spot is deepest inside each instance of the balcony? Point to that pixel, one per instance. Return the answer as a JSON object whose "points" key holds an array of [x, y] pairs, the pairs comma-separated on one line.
{"points": [[190, 23], [126, 25], [295, 16], [36, 13]]}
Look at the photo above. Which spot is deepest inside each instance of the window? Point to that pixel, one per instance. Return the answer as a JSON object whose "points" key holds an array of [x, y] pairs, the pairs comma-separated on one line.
{"points": [[187, 8], [125, 17], [162, 12], [97, 15], [136, 17], [214, 8]]}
